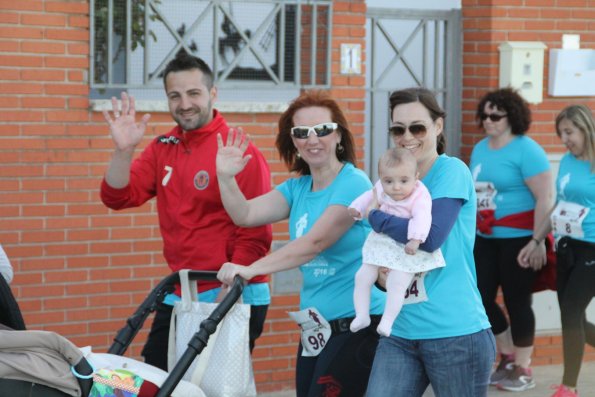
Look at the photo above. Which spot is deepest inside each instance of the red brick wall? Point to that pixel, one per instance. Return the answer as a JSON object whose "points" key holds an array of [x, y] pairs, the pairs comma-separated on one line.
{"points": [[81, 269], [486, 24]]}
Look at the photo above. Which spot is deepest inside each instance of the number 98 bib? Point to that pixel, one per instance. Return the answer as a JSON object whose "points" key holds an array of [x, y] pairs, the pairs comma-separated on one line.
{"points": [[316, 331]]}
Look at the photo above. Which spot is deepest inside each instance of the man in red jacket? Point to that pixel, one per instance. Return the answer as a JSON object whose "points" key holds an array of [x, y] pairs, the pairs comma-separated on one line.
{"points": [[179, 169]]}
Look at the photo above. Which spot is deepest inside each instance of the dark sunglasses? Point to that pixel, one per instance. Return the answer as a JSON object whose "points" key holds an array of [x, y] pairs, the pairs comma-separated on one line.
{"points": [[494, 117], [417, 130], [320, 130]]}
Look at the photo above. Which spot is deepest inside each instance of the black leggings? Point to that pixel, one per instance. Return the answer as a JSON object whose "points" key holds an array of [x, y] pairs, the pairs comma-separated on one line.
{"points": [[496, 264], [156, 347], [576, 288], [342, 368]]}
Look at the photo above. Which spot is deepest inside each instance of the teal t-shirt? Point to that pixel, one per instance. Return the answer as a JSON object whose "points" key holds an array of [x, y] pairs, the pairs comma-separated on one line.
{"points": [[454, 305], [329, 278], [256, 294], [508, 168], [576, 184]]}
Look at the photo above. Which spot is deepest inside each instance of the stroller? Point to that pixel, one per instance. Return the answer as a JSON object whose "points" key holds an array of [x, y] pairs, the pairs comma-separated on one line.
{"points": [[47, 351]]}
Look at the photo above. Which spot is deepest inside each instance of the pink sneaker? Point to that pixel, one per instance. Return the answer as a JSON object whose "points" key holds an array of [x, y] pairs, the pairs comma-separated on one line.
{"points": [[563, 391]]}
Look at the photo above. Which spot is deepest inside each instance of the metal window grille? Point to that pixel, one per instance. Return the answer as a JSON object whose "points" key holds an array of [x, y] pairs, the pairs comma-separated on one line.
{"points": [[247, 43]]}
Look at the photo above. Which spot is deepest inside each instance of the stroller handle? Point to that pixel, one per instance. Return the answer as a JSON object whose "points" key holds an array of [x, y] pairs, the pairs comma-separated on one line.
{"points": [[200, 339], [135, 322]]}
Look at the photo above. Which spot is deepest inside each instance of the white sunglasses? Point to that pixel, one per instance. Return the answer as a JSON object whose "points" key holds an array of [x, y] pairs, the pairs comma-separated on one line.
{"points": [[320, 130]]}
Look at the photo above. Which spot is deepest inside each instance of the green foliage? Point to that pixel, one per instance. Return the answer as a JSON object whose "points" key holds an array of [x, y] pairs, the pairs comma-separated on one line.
{"points": [[137, 31]]}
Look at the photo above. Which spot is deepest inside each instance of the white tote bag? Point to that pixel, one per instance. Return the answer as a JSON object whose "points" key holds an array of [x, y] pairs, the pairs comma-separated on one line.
{"points": [[224, 367]]}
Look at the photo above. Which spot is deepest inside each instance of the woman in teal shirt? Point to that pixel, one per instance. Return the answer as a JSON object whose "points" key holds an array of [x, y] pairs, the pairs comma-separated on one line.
{"points": [[573, 224], [514, 192], [442, 337], [326, 243]]}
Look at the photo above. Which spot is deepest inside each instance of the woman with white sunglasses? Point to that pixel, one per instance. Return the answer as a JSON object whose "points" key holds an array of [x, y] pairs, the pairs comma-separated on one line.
{"points": [[316, 144]]}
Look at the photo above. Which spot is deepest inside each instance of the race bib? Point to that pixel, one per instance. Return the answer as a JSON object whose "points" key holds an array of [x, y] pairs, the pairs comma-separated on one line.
{"points": [[417, 290], [316, 331], [567, 219], [486, 193]]}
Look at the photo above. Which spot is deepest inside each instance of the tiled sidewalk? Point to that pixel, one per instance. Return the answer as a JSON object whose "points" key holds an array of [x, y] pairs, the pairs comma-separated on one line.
{"points": [[545, 376]]}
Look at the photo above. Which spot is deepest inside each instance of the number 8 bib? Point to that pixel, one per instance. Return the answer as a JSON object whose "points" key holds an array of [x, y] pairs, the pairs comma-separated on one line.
{"points": [[316, 331], [567, 219]]}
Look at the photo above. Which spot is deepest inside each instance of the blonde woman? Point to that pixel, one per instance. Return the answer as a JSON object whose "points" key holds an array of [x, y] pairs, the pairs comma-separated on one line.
{"points": [[573, 223]]}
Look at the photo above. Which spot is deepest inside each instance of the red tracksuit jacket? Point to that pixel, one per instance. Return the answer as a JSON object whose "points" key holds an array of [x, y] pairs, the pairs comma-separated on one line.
{"points": [[179, 169]]}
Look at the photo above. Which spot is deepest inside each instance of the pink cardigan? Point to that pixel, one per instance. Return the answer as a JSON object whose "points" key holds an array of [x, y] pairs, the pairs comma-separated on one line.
{"points": [[417, 207]]}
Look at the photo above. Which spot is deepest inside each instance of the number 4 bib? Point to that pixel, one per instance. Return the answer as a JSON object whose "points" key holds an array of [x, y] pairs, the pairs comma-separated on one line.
{"points": [[416, 292], [316, 331]]}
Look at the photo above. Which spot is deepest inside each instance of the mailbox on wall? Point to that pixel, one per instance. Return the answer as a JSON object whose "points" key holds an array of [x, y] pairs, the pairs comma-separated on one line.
{"points": [[521, 67], [572, 72]]}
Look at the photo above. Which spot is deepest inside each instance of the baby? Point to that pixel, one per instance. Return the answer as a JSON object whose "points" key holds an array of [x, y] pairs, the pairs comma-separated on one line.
{"points": [[399, 193]]}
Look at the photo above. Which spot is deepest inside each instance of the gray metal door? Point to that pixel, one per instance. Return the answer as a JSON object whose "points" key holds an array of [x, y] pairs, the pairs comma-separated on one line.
{"points": [[411, 48]]}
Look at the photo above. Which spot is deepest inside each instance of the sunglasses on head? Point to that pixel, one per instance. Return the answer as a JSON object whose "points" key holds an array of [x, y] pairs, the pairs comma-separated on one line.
{"points": [[494, 117], [320, 130], [417, 130]]}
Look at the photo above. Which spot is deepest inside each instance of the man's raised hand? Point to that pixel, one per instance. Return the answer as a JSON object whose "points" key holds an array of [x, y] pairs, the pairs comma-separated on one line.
{"points": [[125, 131]]}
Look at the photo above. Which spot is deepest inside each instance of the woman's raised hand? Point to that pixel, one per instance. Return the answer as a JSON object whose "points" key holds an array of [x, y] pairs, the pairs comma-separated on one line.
{"points": [[125, 131], [230, 157]]}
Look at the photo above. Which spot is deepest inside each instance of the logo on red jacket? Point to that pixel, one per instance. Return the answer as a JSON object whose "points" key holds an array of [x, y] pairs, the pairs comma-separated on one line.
{"points": [[201, 180]]}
